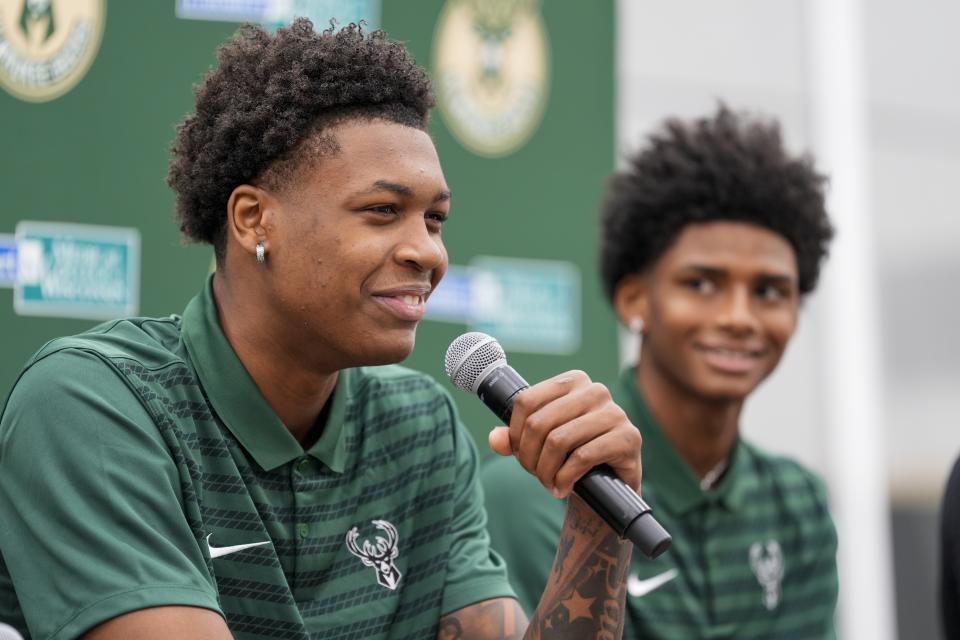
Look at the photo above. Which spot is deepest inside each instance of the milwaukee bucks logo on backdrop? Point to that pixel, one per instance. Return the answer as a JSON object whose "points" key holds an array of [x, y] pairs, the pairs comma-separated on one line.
{"points": [[491, 65], [379, 554], [766, 560], [46, 46]]}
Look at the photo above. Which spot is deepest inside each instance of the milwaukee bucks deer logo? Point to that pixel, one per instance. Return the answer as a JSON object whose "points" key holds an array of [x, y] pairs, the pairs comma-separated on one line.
{"points": [[380, 554], [766, 560]]}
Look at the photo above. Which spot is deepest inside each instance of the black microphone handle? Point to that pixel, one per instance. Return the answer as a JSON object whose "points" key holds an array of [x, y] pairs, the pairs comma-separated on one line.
{"points": [[605, 493]]}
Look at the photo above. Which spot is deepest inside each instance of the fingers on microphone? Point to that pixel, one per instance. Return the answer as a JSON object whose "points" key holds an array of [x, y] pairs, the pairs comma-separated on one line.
{"points": [[532, 399], [499, 440], [560, 442], [560, 406], [619, 449]]}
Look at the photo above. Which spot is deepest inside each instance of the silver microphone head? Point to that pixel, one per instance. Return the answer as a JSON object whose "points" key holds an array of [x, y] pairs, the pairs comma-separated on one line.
{"points": [[469, 357], [9, 633]]}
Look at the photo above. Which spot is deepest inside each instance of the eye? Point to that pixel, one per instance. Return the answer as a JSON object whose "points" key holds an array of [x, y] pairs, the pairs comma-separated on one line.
{"points": [[385, 209], [435, 220], [701, 285], [772, 292]]}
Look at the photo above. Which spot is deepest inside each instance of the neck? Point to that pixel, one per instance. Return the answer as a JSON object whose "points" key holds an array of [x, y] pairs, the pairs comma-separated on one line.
{"points": [[703, 431], [296, 393]]}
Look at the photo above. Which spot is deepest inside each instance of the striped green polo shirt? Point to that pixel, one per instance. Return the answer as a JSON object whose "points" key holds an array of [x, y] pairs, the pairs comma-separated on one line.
{"points": [[142, 467], [753, 558]]}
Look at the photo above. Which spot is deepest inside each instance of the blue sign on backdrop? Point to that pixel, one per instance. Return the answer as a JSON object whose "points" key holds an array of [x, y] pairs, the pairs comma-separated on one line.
{"points": [[527, 305], [280, 13], [451, 300], [8, 260], [77, 271]]}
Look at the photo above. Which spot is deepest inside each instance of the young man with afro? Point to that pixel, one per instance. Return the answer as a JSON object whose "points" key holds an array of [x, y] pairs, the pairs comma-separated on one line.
{"points": [[711, 237], [258, 467]]}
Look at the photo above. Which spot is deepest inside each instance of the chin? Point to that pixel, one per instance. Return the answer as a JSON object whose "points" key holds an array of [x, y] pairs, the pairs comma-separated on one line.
{"points": [[390, 353], [727, 390]]}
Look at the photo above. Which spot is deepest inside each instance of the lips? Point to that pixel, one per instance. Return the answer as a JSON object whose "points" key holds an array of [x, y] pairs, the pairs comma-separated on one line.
{"points": [[730, 360], [406, 304]]}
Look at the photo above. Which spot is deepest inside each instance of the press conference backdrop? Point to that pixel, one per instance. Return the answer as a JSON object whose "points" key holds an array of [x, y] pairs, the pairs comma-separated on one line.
{"points": [[524, 132]]}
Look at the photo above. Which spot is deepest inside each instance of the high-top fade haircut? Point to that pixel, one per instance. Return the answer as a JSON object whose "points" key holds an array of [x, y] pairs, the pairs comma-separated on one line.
{"points": [[725, 167], [262, 114]]}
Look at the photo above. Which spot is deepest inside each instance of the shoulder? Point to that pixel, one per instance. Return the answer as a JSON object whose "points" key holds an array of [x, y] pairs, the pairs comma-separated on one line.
{"points": [[796, 486], [784, 469], [151, 342], [89, 370]]}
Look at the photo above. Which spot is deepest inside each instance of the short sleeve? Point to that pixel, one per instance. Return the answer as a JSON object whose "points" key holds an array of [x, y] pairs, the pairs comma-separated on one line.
{"points": [[90, 502], [524, 525], [474, 571]]}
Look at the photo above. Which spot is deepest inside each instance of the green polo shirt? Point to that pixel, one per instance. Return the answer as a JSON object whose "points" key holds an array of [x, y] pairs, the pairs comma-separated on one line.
{"points": [[753, 558], [136, 457]]}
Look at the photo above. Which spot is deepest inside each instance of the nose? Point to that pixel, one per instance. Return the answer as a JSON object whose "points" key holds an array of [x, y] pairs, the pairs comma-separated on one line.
{"points": [[737, 314], [421, 249]]}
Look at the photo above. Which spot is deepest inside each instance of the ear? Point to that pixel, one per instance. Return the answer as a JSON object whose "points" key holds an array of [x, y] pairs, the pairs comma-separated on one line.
{"points": [[630, 298], [250, 212]]}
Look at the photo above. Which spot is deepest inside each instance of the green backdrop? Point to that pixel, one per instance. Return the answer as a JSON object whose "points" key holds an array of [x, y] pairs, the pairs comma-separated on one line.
{"points": [[98, 155]]}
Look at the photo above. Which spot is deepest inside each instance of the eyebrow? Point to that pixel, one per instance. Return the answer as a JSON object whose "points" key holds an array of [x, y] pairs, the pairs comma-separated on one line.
{"points": [[764, 276], [403, 190]]}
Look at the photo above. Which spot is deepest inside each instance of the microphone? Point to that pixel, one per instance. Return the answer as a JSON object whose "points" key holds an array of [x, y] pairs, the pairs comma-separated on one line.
{"points": [[9, 633], [475, 362]]}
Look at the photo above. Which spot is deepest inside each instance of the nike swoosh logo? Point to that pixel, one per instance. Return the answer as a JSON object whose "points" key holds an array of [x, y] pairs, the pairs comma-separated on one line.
{"points": [[638, 588], [216, 552]]}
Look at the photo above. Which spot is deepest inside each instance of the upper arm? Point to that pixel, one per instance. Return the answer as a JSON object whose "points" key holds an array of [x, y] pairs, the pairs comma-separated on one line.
{"points": [[474, 572], [496, 619], [90, 501], [160, 623]]}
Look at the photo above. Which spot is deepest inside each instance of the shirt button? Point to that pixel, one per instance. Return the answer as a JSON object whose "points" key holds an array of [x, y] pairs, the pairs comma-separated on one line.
{"points": [[303, 529], [303, 466]]}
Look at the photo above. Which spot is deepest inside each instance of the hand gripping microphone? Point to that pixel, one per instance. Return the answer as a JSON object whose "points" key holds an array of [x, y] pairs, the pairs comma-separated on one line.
{"points": [[475, 362]]}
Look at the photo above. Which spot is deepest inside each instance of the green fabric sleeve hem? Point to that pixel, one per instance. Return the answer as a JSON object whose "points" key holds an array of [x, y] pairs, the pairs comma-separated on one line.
{"points": [[464, 595], [134, 600]]}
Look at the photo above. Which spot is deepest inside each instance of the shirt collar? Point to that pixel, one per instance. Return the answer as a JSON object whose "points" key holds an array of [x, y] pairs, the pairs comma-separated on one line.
{"points": [[665, 473], [239, 403]]}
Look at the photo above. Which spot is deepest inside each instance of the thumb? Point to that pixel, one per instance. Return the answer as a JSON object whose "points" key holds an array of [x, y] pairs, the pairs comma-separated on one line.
{"points": [[499, 439]]}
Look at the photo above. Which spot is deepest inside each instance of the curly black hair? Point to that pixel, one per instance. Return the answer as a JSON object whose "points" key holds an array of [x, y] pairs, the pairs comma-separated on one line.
{"points": [[728, 166], [262, 113]]}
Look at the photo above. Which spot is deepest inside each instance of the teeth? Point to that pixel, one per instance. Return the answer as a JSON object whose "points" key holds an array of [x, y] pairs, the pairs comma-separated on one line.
{"points": [[411, 300], [732, 354]]}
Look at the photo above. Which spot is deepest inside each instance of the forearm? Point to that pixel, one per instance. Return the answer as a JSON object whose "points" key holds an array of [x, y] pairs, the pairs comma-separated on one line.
{"points": [[586, 591]]}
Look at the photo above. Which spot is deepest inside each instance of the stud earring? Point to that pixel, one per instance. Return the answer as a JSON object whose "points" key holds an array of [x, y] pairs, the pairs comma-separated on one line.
{"points": [[261, 253]]}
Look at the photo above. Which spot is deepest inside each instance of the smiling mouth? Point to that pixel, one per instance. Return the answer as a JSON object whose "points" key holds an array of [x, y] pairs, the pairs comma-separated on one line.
{"points": [[409, 307], [730, 360]]}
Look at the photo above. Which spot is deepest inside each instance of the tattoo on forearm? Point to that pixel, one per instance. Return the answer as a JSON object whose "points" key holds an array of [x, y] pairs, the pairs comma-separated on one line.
{"points": [[584, 597], [586, 594], [499, 619], [450, 629], [582, 519], [566, 542]]}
